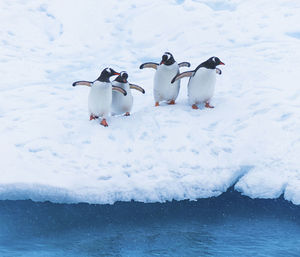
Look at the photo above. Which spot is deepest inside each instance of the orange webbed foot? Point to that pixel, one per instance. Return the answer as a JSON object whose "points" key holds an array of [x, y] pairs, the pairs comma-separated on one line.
{"points": [[156, 104], [195, 107], [172, 102], [207, 105], [127, 114], [104, 123]]}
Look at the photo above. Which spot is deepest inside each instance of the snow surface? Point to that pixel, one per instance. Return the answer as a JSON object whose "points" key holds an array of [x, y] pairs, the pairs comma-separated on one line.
{"points": [[51, 151]]}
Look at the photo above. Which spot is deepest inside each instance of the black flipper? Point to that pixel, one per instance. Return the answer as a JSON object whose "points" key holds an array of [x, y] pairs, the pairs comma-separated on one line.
{"points": [[184, 64], [218, 71], [182, 75], [119, 89], [149, 65], [82, 83], [136, 87]]}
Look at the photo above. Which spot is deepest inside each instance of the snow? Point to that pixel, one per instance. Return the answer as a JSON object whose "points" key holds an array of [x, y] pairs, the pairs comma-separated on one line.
{"points": [[51, 151]]}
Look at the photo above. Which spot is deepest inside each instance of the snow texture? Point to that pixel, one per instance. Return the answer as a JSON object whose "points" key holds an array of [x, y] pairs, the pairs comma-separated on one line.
{"points": [[251, 139]]}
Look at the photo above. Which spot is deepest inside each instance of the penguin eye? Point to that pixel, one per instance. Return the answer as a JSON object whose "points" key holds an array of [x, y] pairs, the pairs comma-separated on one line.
{"points": [[165, 57]]}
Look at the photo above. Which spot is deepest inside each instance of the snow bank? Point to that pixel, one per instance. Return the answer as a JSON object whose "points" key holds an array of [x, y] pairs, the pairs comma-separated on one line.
{"points": [[50, 151]]}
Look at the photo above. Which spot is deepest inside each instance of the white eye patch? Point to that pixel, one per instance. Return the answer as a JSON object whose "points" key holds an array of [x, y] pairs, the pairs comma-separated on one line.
{"points": [[108, 70]]}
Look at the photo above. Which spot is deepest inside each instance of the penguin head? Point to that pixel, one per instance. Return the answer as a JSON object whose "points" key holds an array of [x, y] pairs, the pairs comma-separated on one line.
{"points": [[122, 77], [106, 74], [167, 59], [109, 72], [217, 61], [212, 63]]}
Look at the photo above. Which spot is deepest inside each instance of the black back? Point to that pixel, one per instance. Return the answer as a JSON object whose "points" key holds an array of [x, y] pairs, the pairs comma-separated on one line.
{"points": [[167, 59], [211, 63], [106, 74]]}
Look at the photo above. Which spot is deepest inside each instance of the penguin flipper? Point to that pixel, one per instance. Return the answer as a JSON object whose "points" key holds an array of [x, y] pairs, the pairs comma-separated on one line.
{"points": [[149, 65], [82, 83], [121, 90], [184, 64], [182, 75], [136, 87], [218, 71]]}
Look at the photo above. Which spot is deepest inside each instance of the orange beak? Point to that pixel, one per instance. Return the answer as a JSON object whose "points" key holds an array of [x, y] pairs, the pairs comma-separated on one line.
{"points": [[222, 63]]}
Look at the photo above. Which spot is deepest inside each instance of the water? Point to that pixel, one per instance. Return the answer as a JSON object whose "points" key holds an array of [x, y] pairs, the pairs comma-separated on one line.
{"points": [[230, 225]]}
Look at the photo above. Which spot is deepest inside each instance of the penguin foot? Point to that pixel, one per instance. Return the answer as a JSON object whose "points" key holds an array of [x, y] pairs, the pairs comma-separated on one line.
{"points": [[195, 107], [104, 123], [207, 105], [156, 103], [127, 114], [171, 102], [92, 117]]}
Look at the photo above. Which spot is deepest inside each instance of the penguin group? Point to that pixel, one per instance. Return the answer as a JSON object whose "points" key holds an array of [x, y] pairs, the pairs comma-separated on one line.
{"points": [[106, 95], [114, 97]]}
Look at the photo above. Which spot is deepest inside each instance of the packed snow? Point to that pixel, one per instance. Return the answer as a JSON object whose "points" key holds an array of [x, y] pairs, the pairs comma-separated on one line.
{"points": [[251, 139]]}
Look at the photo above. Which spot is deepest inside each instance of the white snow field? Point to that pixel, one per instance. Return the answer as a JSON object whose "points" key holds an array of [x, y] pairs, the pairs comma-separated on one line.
{"points": [[251, 139]]}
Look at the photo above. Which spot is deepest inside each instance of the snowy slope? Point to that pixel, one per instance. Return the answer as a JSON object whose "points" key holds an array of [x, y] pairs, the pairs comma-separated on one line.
{"points": [[51, 151]]}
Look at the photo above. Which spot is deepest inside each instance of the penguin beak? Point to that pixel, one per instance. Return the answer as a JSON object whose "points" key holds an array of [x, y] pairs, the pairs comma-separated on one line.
{"points": [[222, 63], [161, 62], [116, 73]]}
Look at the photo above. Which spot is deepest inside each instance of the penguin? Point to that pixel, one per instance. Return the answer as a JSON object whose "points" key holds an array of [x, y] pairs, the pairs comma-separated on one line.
{"points": [[123, 103], [202, 82], [163, 90], [100, 96]]}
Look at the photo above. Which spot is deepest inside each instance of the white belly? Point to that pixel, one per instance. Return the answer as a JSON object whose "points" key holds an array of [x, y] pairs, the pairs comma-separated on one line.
{"points": [[163, 89], [99, 100], [201, 86], [121, 103]]}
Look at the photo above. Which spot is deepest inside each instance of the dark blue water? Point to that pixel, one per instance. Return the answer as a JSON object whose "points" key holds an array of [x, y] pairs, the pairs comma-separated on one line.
{"points": [[229, 225]]}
